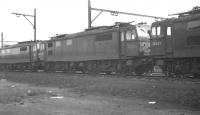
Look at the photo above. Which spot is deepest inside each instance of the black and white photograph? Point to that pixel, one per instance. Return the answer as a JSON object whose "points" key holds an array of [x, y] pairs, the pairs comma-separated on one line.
{"points": [[100, 57]]}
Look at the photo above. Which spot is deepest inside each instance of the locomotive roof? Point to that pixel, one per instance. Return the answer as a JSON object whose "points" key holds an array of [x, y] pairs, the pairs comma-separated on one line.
{"points": [[94, 30], [177, 20]]}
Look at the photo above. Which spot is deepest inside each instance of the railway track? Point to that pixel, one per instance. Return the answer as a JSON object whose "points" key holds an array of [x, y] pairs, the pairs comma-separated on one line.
{"points": [[156, 77]]}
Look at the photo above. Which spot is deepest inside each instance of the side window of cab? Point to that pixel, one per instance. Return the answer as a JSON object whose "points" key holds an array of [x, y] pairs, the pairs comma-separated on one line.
{"points": [[156, 32], [153, 31], [169, 31], [130, 35]]}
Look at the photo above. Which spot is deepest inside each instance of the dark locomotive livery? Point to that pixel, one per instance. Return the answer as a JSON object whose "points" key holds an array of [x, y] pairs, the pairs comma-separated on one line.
{"points": [[22, 56], [170, 46], [175, 44], [122, 48]]}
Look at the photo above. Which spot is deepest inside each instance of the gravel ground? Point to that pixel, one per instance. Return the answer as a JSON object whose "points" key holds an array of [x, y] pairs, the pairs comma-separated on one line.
{"points": [[165, 92]]}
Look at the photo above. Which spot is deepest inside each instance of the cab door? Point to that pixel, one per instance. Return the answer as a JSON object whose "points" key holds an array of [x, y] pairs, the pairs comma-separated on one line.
{"points": [[169, 43], [41, 51], [129, 43], [157, 41], [122, 43], [34, 52]]}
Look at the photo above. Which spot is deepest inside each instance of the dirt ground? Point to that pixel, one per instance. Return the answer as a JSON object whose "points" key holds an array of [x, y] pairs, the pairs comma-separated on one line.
{"points": [[74, 94]]}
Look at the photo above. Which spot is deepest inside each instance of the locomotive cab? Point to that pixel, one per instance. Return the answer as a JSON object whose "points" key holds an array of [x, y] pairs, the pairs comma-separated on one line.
{"points": [[161, 43], [135, 48], [175, 44], [135, 41], [161, 39], [38, 55]]}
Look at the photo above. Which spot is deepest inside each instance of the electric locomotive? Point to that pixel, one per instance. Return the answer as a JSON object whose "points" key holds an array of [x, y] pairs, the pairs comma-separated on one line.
{"points": [[24, 56], [121, 48], [175, 44]]}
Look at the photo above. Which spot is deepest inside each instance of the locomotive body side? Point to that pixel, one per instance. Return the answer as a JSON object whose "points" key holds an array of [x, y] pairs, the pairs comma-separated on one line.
{"points": [[25, 56], [87, 46], [16, 57], [104, 49], [82, 51], [161, 39], [187, 37]]}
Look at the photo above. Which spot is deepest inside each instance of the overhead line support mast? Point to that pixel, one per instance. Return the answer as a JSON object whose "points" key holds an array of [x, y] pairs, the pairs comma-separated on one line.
{"points": [[114, 13]]}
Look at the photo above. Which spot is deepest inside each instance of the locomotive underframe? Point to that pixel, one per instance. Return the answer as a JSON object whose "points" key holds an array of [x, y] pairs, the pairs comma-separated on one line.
{"points": [[121, 66], [178, 66], [129, 66]]}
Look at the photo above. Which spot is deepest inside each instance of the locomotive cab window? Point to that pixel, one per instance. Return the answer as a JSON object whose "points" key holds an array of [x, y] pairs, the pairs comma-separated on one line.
{"points": [[133, 34], [169, 31], [158, 31], [153, 31], [130, 35]]}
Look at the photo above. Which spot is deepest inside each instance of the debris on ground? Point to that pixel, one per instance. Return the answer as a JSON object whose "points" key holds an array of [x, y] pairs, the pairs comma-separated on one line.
{"points": [[57, 97], [178, 91], [151, 102], [12, 86], [3, 80]]}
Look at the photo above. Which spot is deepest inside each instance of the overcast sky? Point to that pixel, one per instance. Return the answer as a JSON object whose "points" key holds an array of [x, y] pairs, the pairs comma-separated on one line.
{"points": [[70, 16]]}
